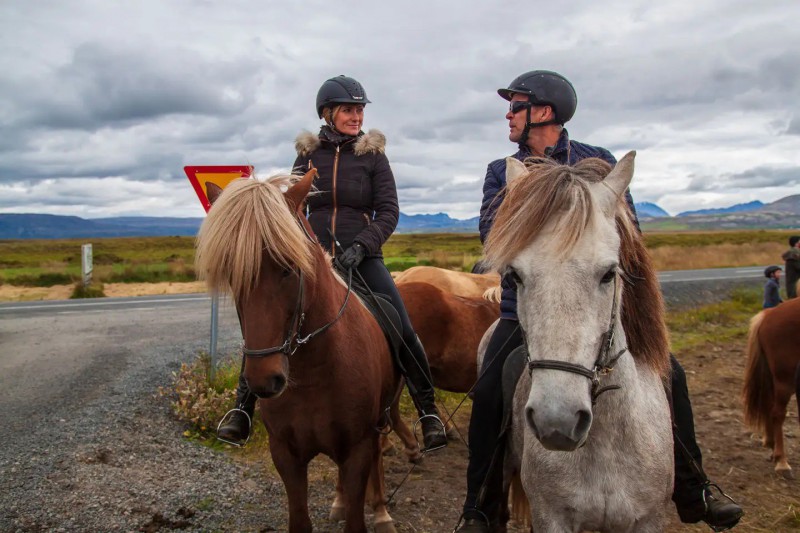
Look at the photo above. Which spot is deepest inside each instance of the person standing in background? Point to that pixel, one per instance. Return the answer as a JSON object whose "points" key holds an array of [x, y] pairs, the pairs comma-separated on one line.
{"points": [[792, 259]]}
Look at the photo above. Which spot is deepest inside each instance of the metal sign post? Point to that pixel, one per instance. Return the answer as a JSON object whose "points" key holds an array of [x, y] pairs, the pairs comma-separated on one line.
{"points": [[212, 350], [200, 177], [86, 264]]}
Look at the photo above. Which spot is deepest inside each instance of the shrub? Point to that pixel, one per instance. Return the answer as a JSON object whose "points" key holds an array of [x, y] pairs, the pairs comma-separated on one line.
{"points": [[199, 400], [94, 290]]}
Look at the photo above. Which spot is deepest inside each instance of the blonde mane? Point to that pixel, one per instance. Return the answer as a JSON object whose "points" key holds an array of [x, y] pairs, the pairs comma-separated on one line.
{"points": [[550, 191], [554, 192], [249, 219]]}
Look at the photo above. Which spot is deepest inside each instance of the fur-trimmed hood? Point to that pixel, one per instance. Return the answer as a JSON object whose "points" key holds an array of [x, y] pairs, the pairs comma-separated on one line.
{"points": [[371, 142]]}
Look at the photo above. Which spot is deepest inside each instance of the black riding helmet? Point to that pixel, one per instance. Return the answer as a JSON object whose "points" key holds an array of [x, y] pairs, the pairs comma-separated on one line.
{"points": [[543, 87], [770, 270], [340, 90]]}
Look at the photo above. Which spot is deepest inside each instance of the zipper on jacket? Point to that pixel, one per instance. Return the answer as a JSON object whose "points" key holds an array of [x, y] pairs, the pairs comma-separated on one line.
{"points": [[333, 219]]}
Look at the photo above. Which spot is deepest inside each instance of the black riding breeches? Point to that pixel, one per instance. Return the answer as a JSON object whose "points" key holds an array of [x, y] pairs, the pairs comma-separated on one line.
{"points": [[484, 424], [688, 484]]}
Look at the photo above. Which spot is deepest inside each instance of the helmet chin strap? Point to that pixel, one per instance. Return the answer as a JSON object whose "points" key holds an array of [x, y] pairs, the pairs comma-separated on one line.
{"points": [[523, 138]]}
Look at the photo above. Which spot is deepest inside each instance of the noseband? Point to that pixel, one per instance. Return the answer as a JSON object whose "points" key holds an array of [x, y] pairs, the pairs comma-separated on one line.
{"points": [[603, 365], [293, 340]]}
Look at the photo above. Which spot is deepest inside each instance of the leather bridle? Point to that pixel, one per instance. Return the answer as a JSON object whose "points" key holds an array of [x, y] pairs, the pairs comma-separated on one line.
{"points": [[293, 340], [603, 365]]}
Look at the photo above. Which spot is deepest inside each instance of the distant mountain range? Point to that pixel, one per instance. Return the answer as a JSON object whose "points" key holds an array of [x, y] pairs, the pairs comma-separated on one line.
{"points": [[783, 213], [738, 208], [36, 226], [648, 209], [780, 214]]}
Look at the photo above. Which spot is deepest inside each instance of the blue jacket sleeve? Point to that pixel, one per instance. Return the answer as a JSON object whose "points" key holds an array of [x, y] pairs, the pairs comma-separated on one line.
{"points": [[492, 197]]}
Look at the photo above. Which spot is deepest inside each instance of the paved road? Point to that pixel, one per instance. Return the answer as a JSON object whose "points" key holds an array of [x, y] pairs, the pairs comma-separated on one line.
{"points": [[56, 355], [197, 304]]}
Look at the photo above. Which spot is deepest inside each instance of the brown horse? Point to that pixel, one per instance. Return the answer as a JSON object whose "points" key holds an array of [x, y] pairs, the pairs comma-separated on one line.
{"points": [[450, 328], [315, 357], [772, 375], [451, 281]]}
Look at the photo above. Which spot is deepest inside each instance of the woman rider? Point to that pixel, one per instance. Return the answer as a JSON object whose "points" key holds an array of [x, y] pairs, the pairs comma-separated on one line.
{"points": [[353, 213]]}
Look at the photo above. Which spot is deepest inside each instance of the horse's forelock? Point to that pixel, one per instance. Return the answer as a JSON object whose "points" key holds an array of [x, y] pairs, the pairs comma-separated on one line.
{"points": [[250, 217], [550, 193]]}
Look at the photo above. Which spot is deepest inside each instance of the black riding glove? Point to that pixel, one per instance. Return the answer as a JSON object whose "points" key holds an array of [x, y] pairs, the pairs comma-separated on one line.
{"points": [[351, 257]]}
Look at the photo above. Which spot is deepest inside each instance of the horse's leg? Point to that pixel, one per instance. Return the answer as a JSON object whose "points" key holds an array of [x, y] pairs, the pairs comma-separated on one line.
{"points": [[294, 473], [354, 474], [376, 496], [337, 507], [410, 446], [783, 393]]}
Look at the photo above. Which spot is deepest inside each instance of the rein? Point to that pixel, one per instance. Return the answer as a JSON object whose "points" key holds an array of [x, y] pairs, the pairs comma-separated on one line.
{"points": [[603, 365], [293, 340]]}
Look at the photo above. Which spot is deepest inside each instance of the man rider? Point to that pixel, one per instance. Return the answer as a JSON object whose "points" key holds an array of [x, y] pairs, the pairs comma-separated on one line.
{"points": [[540, 103]]}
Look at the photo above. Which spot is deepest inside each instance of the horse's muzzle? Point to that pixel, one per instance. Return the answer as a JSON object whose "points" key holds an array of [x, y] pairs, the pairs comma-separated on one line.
{"points": [[270, 387], [559, 433]]}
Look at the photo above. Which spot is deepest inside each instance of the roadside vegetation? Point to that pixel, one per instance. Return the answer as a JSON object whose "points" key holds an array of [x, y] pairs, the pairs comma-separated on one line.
{"points": [[47, 263]]}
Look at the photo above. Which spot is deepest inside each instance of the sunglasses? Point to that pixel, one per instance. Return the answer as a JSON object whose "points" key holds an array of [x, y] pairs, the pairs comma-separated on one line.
{"points": [[518, 105]]}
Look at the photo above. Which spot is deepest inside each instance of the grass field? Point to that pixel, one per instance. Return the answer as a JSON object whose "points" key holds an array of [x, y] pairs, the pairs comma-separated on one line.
{"points": [[44, 263]]}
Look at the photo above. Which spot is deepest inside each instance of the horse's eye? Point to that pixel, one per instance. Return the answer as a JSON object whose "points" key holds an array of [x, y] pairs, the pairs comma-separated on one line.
{"points": [[609, 276], [286, 272], [515, 276]]}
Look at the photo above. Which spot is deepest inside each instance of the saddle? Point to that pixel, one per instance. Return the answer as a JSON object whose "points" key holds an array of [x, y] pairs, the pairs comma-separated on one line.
{"points": [[512, 370], [381, 307]]}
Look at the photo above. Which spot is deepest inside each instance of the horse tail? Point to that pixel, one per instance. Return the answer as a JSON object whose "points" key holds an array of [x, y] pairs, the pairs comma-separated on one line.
{"points": [[757, 392], [492, 294], [520, 506]]}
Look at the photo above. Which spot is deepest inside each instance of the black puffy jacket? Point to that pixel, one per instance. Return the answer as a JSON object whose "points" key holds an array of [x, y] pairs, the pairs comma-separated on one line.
{"points": [[356, 198]]}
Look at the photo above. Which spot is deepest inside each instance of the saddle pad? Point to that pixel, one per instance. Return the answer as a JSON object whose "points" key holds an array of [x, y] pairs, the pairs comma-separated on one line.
{"points": [[388, 318]]}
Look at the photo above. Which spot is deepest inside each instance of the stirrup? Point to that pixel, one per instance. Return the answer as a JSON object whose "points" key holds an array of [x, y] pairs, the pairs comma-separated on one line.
{"points": [[249, 428], [707, 487], [444, 432], [478, 512]]}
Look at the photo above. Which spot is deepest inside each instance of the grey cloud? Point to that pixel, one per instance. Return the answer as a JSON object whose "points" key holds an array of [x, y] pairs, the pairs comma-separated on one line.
{"points": [[754, 178], [105, 86]]}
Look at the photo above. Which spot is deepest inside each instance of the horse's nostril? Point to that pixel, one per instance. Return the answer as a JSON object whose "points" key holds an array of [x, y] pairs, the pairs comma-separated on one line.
{"points": [[530, 414], [584, 422], [278, 383]]}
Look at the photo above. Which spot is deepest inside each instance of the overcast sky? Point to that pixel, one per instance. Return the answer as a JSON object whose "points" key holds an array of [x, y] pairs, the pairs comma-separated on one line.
{"points": [[103, 103]]}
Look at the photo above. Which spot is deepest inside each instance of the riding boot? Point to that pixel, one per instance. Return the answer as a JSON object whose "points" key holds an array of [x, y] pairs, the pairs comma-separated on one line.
{"points": [[420, 386], [693, 499], [235, 426]]}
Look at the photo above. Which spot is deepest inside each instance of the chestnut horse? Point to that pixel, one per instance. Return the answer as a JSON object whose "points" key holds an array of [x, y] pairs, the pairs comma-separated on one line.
{"points": [[450, 328], [319, 365], [590, 433], [772, 375], [453, 282]]}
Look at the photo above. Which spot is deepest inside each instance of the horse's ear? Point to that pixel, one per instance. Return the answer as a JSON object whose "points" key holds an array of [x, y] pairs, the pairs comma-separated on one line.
{"points": [[212, 192], [514, 169], [618, 180], [297, 194]]}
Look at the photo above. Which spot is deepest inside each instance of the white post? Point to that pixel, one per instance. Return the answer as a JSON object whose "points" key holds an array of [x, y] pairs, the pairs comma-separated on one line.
{"points": [[86, 264]]}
